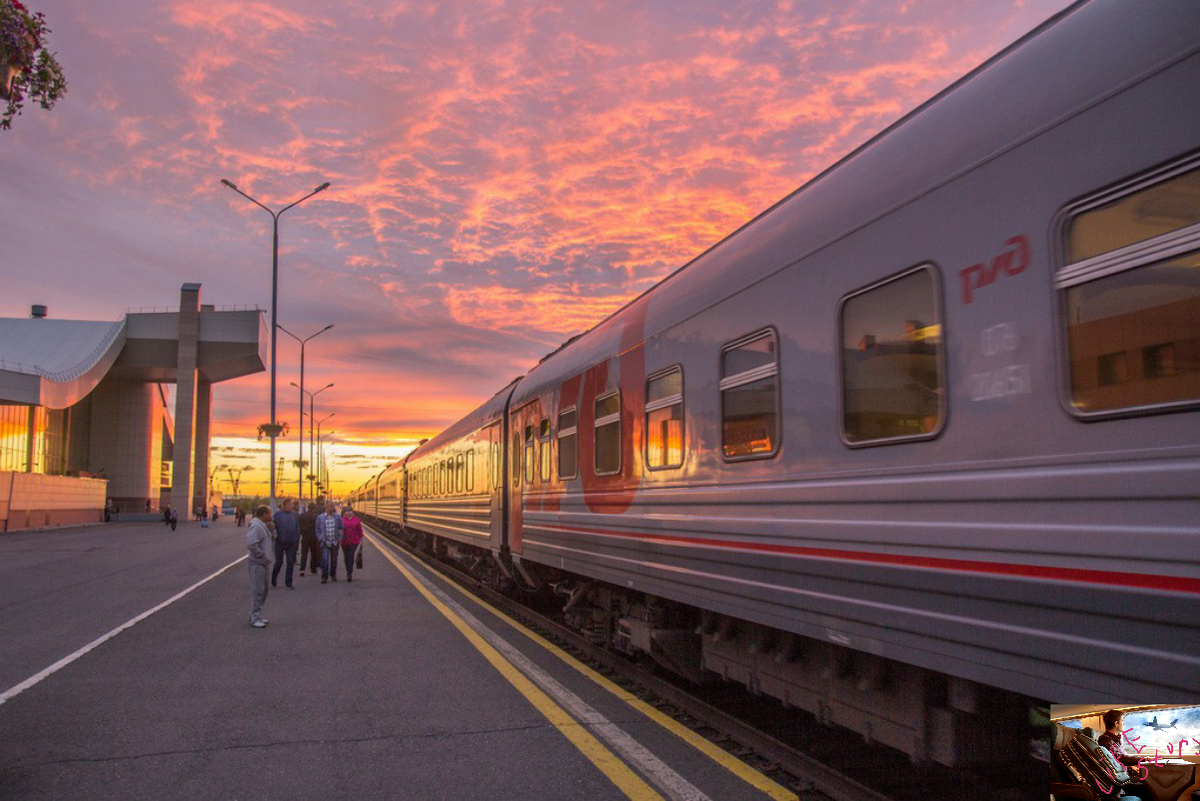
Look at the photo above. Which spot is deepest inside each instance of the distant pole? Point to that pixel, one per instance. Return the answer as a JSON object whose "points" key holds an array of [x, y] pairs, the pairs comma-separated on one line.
{"points": [[321, 456], [317, 439], [312, 425], [300, 438], [274, 303]]}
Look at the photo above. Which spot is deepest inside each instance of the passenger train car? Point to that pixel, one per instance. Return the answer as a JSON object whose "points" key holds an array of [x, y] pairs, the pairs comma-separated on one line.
{"points": [[917, 444]]}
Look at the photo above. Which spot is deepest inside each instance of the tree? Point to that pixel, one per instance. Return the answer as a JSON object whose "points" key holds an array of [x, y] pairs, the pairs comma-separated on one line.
{"points": [[27, 68]]}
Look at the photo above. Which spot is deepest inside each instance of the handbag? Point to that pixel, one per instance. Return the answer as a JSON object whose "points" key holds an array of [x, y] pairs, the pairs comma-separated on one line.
{"points": [[358, 557]]}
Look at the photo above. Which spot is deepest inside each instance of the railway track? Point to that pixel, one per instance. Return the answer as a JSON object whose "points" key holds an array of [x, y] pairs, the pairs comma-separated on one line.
{"points": [[735, 721]]}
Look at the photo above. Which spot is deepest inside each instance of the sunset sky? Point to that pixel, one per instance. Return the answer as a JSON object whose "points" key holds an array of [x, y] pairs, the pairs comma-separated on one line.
{"points": [[503, 175]]}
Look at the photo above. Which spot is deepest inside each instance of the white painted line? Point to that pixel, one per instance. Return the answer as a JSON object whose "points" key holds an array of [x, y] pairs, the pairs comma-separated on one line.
{"points": [[66, 660], [674, 786]]}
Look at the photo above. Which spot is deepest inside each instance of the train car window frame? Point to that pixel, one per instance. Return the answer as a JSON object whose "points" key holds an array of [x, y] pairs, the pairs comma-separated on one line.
{"points": [[572, 432], [517, 450], [745, 378], [530, 444], [1110, 266], [943, 390], [667, 403], [603, 422], [544, 453]]}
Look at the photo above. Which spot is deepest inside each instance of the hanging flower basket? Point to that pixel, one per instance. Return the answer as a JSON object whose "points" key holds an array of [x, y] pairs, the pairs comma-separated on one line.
{"points": [[272, 430], [27, 69]]}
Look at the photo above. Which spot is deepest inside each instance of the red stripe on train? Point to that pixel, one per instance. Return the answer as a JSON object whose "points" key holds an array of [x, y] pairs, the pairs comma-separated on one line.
{"points": [[1143, 580]]}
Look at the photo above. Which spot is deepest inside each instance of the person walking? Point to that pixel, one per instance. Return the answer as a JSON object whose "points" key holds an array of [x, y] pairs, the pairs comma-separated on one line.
{"points": [[310, 546], [258, 538], [174, 518], [329, 532], [287, 538], [167, 515], [352, 532]]}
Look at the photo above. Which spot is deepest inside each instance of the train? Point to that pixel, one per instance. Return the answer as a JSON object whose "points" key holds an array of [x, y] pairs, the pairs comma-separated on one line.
{"points": [[912, 450]]}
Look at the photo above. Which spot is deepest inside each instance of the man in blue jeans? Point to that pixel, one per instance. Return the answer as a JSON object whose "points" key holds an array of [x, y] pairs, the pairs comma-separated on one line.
{"points": [[329, 532], [287, 538]]}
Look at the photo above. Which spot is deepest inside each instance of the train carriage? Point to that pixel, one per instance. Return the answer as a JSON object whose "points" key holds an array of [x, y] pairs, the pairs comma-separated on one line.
{"points": [[454, 481], [919, 440]]}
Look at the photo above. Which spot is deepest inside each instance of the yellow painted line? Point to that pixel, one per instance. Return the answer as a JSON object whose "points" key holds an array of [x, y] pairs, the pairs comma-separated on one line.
{"points": [[617, 771], [722, 757]]}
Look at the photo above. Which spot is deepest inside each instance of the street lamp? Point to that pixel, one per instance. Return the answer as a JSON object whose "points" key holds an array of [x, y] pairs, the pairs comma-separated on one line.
{"points": [[274, 303], [321, 457], [316, 464], [312, 395], [300, 439]]}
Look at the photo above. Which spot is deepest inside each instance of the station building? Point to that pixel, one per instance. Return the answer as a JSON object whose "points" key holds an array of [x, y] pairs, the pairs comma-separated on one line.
{"points": [[87, 417]]}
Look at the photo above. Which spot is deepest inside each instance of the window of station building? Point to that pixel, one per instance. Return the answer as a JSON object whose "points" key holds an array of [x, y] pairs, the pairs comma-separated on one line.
{"points": [[893, 373], [1130, 293], [566, 443], [544, 446], [608, 434], [750, 397], [664, 419]]}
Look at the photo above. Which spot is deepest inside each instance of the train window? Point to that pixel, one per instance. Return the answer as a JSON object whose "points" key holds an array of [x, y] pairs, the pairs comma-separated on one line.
{"points": [[893, 378], [461, 482], [664, 419], [516, 459], [1131, 297], [608, 434], [470, 457], [566, 443], [750, 397], [544, 445], [530, 460]]}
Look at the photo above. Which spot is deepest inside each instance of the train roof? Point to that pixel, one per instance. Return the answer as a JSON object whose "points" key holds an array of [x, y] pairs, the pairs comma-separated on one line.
{"points": [[489, 411], [1070, 62]]}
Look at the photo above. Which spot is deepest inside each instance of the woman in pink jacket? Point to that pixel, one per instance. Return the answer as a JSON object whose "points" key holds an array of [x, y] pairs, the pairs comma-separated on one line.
{"points": [[352, 533]]}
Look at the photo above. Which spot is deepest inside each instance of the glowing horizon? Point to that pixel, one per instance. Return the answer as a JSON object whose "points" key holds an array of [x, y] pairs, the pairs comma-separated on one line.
{"points": [[503, 175]]}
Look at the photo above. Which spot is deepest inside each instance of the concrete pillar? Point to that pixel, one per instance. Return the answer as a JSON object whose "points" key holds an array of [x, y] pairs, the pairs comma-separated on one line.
{"points": [[203, 438], [186, 391]]}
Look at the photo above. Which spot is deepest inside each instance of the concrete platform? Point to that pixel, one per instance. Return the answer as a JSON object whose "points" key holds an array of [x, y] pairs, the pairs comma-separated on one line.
{"points": [[376, 688]]}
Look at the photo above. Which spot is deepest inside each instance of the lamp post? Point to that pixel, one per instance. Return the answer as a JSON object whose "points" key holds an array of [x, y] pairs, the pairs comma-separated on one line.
{"points": [[321, 457], [300, 439], [318, 439], [274, 304], [312, 395]]}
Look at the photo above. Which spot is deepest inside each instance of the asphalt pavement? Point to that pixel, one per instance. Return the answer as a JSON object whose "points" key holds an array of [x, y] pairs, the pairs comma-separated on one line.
{"points": [[370, 689]]}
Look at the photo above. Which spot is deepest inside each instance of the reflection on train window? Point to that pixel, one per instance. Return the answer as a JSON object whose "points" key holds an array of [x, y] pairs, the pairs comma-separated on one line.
{"points": [[892, 374], [544, 446], [516, 459], [1132, 299], [529, 461], [566, 443], [664, 419], [750, 397], [608, 434], [1161, 209]]}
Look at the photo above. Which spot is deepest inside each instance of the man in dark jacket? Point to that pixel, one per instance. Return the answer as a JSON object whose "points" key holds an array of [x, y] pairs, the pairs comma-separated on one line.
{"points": [[310, 548], [287, 537]]}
